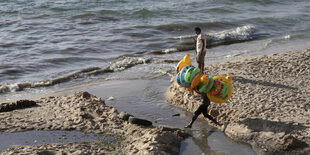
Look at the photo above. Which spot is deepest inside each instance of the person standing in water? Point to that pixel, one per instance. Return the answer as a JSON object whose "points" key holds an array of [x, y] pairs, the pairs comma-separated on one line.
{"points": [[200, 43]]}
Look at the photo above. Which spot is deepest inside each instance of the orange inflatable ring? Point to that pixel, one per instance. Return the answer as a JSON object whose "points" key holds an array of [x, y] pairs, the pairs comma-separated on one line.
{"points": [[217, 89]]}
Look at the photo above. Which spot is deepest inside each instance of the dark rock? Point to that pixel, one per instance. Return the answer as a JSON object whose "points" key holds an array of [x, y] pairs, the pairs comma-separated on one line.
{"points": [[86, 95], [19, 105], [139, 121], [25, 103], [1, 108], [13, 106], [33, 103], [167, 128], [8, 107], [124, 116], [177, 114]]}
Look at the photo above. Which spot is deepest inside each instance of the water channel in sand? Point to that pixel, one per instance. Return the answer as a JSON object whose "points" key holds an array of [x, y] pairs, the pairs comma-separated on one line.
{"points": [[145, 99]]}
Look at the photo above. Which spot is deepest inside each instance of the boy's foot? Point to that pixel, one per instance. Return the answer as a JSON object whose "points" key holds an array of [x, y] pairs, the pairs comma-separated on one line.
{"points": [[217, 123]]}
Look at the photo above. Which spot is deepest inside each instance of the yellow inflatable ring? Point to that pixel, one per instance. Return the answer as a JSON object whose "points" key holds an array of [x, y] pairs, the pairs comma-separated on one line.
{"points": [[219, 100]]}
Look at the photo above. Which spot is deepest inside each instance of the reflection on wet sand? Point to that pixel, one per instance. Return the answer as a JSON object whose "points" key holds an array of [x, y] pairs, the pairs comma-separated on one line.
{"points": [[201, 140]]}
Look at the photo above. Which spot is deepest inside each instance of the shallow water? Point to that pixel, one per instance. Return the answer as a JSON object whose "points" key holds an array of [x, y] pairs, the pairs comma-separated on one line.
{"points": [[46, 137]]}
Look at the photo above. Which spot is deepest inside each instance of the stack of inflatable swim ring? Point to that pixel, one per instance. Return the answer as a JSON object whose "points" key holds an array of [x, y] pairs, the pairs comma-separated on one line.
{"points": [[217, 88], [191, 78]]}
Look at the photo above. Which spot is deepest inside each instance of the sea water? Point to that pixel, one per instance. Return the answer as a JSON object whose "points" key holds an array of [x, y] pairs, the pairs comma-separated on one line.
{"points": [[46, 43]]}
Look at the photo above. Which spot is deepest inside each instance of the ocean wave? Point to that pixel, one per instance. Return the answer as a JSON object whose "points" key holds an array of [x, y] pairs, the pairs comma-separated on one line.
{"points": [[239, 34], [243, 33], [282, 38], [261, 2], [119, 64], [94, 17], [144, 12]]}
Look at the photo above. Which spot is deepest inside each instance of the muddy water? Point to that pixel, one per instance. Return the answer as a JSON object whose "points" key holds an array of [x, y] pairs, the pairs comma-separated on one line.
{"points": [[145, 99], [45, 137]]}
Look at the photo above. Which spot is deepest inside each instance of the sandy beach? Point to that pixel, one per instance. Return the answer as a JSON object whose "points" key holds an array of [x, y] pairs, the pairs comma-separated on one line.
{"points": [[87, 113], [269, 108]]}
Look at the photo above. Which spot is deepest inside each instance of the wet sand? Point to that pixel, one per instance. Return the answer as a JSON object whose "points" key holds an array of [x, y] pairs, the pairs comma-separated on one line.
{"points": [[88, 113], [270, 102]]}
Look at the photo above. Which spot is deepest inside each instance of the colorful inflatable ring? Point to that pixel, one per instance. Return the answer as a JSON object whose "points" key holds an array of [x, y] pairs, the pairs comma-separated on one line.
{"points": [[196, 81], [204, 80], [223, 92], [210, 85], [178, 79], [187, 75], [183, 83], [203, 88], [216, 89], [195, 72], [227, 81], [221, 100], [224, 95]]}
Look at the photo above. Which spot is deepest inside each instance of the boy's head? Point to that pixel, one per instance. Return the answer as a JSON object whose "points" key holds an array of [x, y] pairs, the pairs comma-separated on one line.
{"points": [[197, 30]]}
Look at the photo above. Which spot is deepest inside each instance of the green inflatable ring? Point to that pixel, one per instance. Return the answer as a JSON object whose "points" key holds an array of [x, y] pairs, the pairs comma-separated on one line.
{"points": [[210, 85], [224, 90], [193, 74], [187, 75], [203, 88]]}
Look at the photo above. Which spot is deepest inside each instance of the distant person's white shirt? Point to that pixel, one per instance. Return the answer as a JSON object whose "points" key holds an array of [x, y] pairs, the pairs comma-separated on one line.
{"points": [[199, 44]]}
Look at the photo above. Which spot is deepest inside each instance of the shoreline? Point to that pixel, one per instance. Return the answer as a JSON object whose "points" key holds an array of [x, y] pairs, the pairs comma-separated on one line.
{"points": [[270, 101]]}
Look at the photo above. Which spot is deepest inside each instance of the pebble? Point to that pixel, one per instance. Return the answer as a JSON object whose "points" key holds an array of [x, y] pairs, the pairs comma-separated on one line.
{"points": [[111, 98]]}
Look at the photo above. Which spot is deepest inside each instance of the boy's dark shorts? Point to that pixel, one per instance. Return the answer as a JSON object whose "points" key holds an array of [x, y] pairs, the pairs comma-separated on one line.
{"points": [[200, 56]]}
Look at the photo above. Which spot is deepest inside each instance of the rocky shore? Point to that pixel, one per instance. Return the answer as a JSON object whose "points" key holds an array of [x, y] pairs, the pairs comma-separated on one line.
{"points": [[270, 105], [87, 113]]}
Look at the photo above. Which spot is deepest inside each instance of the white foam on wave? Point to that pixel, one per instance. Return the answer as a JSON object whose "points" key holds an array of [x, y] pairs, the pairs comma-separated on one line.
{"points": [[279, 39], [169, 50], [287, 37], [184, 37], [118, 64], [240, 33]]}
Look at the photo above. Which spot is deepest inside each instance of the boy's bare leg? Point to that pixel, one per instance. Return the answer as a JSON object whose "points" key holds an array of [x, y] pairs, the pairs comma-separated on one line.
{"points": [[202, 67]]}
